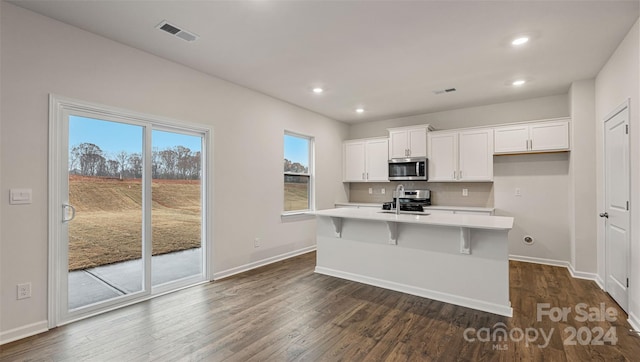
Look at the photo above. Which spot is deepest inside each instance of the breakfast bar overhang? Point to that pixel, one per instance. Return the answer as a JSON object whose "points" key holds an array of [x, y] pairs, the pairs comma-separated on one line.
{"points": [[458, 259]]}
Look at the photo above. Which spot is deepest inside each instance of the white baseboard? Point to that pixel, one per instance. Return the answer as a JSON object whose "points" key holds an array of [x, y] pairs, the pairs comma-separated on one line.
{"points": [[425, 293], [582, 275], [530, 259], [23, 332], [634, 321], [257, 264], [600, 282]]}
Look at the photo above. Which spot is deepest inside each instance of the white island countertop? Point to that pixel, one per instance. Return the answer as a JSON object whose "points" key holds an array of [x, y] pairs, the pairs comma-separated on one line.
{"points": [[456, 220]]}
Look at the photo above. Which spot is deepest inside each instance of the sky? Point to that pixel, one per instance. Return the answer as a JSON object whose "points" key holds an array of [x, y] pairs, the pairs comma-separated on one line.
{"points": [[296, 149], [114, 137]]}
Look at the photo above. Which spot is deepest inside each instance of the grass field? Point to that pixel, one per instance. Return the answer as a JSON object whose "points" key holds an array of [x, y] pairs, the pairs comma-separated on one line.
{"points": [[296, 196], [108, 223]]}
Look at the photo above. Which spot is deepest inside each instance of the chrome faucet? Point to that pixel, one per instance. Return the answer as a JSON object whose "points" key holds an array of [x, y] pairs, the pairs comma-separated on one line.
{"points": [[399, 188]]}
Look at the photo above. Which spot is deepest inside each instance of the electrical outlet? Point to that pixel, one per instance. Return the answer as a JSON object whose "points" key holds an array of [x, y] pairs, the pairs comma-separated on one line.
{"points": [[256, 242], [518, 191], [383, 191], [465, 192], [370, 190], [24, 290]]}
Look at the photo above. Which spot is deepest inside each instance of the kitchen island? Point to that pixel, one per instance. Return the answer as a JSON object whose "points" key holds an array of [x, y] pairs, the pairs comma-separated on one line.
{"points": [[454, 258]]}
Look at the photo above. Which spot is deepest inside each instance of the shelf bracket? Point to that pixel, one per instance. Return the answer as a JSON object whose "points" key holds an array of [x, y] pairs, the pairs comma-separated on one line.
{"points": [[465, 241], [337, 226], [393, 232]]}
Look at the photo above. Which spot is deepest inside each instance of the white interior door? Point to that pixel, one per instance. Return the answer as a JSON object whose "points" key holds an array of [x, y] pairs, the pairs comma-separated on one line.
{"points": [[616, 213]]}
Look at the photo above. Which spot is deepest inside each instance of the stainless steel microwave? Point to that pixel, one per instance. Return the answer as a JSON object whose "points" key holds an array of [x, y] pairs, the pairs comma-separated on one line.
{"points": [[414, 169]]}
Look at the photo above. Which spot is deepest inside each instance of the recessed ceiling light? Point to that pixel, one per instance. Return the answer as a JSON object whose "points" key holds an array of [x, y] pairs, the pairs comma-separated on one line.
{"points": [[359, 110], [318, 90], [518, 82], [520, 41]]}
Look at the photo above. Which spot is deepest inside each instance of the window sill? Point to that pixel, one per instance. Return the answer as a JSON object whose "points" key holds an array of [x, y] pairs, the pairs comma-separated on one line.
{"points": [[297, 215]]}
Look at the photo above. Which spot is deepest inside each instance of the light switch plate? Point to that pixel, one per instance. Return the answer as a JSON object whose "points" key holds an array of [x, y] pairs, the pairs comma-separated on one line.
{"points": [[20, 196]]}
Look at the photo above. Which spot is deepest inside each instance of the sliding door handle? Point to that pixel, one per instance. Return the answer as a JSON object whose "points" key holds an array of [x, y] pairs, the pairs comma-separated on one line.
{"points": [[65, 213]]}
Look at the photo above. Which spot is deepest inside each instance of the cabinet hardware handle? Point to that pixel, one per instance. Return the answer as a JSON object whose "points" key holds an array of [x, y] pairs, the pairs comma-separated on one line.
{"points": [[363, 176], [454, 175], [367, 175], [531, 145], [460, 175]]}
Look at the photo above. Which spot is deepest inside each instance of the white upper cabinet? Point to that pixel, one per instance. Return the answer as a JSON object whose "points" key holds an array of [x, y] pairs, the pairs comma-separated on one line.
{"points": [[354, 161], [377, 160], [366, 160], [475, 155], [549, 136], [443, 156], [532, 137], [457, 156], [408, 141]]}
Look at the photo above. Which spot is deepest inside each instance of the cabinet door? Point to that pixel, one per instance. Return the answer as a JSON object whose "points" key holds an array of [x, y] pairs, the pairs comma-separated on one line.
{"points": [[443, 156], [398, 144], [550, 136], [475, 155], [511, 139], [377, 160], [417, 142], [354, 161]]}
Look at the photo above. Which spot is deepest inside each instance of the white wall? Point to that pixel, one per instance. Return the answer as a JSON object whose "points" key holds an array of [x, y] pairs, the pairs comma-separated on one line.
{"points": [[618, 81], [508, 112], [542, 211], [42, 56], [582, 181]]}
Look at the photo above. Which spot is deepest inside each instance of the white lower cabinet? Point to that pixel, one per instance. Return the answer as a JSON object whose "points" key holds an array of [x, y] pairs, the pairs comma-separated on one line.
{"points": [[456, 156], [366, 160]]}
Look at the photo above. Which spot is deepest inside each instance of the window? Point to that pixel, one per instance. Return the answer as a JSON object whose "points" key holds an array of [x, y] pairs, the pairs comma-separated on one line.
{"points": [[298, 169]]}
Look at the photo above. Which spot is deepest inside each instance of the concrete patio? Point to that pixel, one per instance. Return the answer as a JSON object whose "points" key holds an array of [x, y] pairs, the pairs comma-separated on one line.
{"points": [[109, 281]]}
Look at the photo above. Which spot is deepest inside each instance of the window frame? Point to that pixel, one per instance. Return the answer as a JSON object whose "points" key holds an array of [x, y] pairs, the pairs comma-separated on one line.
{"points": [[310, 174]]}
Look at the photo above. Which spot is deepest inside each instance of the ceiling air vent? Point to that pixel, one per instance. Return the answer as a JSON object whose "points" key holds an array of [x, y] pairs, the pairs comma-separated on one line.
{"points": [[176, 31], [443, 91]]}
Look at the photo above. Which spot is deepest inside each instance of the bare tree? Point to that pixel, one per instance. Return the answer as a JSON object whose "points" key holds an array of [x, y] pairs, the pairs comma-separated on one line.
{"points": [[123, 158], [135, 164], [112, 167], [91, 158], [169, 160]]}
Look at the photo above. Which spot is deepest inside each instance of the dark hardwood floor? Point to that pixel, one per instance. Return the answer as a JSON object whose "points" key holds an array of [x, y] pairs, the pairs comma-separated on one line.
{"points": [[286, 312]]}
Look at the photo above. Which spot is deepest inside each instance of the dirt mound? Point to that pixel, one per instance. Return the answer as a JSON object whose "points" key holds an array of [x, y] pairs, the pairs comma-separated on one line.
{"points": [[112, 194], [108, 224]]}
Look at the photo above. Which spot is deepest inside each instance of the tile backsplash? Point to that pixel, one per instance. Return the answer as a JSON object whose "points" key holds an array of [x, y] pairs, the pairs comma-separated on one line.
{"points": [[442, 193]]}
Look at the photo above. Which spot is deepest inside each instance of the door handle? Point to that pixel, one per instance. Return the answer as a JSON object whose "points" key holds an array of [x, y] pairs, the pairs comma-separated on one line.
{"points": [[604, 214], [64, 213]]}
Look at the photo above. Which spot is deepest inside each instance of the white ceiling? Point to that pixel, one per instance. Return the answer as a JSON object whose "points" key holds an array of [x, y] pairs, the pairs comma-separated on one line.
{"points": [[385, 56]]}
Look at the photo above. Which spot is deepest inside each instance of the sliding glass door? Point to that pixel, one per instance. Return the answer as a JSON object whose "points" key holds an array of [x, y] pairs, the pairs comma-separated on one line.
{"points": [[132, 204]]}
